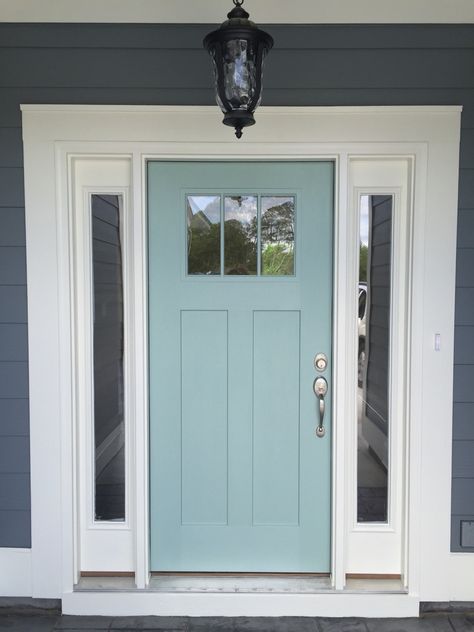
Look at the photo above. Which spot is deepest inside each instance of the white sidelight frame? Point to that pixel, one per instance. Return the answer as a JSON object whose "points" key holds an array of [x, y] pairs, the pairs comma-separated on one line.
{"points": [[373, 547], [101, 544], [429, 138]]}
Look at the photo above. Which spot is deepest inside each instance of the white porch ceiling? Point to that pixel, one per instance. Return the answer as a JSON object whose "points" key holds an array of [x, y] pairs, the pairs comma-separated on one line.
{"points": [[262, 11]]}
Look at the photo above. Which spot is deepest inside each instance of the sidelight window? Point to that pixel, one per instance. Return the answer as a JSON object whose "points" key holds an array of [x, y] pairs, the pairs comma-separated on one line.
{"points": [[373, 374], [108, 359]]}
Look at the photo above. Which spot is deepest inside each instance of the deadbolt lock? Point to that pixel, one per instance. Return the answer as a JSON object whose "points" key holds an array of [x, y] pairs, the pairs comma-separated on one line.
{"points": [[320, 362]]}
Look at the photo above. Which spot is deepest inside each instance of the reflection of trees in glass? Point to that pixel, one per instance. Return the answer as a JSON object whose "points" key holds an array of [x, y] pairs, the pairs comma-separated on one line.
{"points": [[241, 236], [278, 223], [278, 236], [204, 249], [277, 260], [363, 252], [240, 247]]}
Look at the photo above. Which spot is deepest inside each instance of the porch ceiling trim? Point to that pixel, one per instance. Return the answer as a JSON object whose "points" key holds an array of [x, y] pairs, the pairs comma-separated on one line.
{"points": [[263, 11]]}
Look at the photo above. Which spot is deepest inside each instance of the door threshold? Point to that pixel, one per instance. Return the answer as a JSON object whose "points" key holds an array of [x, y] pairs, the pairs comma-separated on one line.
{"points": [[213, 583], [239, 584]]}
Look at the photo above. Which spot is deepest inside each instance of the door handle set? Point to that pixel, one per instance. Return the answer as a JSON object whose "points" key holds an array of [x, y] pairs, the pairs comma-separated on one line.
{"points": [[320, 388]]}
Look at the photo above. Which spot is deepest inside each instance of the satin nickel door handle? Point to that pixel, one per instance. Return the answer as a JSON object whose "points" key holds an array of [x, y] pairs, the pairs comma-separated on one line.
{"points": [[320, 388]]}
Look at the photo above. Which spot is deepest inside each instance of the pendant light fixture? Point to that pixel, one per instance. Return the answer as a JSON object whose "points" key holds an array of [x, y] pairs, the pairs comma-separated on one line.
{"points": [[238, 49]]}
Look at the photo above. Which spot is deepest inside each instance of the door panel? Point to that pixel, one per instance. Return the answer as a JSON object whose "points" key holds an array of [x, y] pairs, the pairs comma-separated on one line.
{"points": [[238, 309], [204, 436], [276, 480]]}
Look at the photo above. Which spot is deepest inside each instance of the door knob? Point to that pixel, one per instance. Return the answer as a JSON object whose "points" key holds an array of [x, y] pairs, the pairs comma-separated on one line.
{"points": [[320, 388]]}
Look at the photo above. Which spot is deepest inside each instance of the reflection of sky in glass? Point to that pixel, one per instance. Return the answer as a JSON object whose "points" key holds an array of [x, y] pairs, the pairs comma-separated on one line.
{"points": [[270, 202], [209, 205], [364, 220], [242, 208]]}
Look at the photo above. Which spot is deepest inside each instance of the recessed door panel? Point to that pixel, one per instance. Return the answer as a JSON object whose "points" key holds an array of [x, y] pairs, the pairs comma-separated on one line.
{"points": [[276, 417], [204, 459]]}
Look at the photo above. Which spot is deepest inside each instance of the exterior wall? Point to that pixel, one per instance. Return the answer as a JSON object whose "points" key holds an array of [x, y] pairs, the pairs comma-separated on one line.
{"points": [[165, 64]]}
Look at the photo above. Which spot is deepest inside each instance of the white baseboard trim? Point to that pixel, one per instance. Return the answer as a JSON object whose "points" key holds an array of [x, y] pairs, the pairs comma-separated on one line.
{"points": [[142, 603], [15, 573]]}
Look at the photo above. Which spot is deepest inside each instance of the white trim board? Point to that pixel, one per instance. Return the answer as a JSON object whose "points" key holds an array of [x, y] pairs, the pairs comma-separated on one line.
{"points": [[15, 572], [262, 11], [235, 605], [430, 135]]}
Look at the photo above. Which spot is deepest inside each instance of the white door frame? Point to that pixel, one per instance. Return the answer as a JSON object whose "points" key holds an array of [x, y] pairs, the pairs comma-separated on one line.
{"points": [[427, 136]]}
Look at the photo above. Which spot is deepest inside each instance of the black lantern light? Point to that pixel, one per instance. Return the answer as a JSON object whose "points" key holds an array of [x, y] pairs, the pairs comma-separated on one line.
{"points": [[238, 49]]}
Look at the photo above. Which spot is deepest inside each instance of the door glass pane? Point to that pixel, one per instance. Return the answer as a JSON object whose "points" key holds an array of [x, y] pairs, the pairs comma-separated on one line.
{"points": [[277, 235], [204, 234], [108, 332], [374, 357], [240, 235]]}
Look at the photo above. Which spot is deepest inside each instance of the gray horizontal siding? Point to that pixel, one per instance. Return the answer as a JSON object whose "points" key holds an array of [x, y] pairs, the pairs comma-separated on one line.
{"points": [[13, 342], [466, 188], [14, 491], [12, 227], [463, 496], [11, 148], [14, 458], [146, 68], [15, 528], [466, 153], [464, 344], [13, 304], [466, 229], [463, 463], [463, 413], [464, 312], [11, 187], [464, 427], [463, 381], [14, 417], [12, 265], [465, 267], [13, 380], [164, 64], [189, 36]]}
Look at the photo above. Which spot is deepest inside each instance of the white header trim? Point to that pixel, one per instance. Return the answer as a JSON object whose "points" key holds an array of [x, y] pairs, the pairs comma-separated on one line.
{"points": [[262, 11]]}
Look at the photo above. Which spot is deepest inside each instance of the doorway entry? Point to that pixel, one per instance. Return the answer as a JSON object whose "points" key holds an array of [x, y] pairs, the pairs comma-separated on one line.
{"points": [[240, 303]]}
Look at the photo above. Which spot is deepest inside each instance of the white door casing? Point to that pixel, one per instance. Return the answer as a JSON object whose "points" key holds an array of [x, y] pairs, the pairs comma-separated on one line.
{"points": [[428, 138]]}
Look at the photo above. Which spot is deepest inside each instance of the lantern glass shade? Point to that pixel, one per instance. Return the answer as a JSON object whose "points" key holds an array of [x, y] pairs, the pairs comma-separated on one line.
{"points": [[238, 50], [239, 72]]}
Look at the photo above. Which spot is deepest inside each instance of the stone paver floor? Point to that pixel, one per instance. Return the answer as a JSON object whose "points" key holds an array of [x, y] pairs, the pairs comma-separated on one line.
{"points": [[54, 623]]}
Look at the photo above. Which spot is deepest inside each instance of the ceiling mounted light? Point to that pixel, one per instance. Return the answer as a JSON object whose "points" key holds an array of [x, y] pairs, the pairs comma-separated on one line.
{"points": [[238, 49]]}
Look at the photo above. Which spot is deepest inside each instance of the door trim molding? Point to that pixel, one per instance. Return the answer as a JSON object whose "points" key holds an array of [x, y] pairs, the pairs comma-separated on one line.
{"points": [[428, 134]]}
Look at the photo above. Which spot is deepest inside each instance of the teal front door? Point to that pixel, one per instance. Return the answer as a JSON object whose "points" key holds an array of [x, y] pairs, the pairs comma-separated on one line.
{"points": [[240, 278]]}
